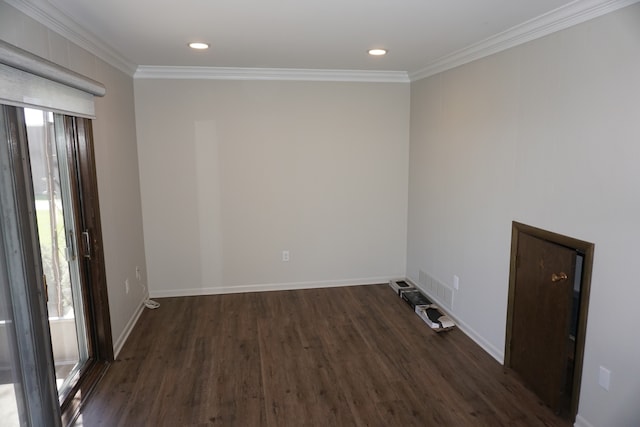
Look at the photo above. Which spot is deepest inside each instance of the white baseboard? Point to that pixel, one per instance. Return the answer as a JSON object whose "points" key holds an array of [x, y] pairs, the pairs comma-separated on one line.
{"points": [[581, 422], [495, 352], [117, 346], [479, 339], [267, 287]]}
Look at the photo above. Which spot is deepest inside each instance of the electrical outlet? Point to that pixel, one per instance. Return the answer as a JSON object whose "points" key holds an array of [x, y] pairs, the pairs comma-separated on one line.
{"points": [[456, 282], [126, 285], [138, 276], [285, 256]]}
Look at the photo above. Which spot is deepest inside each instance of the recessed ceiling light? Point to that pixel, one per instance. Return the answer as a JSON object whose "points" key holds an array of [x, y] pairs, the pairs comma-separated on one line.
{"points": [[377, 52], [199, 45]]}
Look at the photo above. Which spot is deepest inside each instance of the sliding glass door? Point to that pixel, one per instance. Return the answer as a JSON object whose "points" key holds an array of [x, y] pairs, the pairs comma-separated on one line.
{"points": [[50, 166], [53, 197], [28, 394]]}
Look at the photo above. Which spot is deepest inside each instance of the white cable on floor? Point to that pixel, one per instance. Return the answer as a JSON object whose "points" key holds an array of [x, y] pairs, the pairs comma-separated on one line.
{"points": [[151, 304]]}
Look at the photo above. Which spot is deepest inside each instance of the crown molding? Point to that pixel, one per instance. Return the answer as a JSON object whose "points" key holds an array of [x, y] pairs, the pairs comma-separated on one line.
{"points": [[52, 18], [574, 13], [291, 74]]}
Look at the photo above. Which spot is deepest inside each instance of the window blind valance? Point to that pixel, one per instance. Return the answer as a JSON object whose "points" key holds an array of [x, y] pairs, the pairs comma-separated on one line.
{"points": [[27, 80]]}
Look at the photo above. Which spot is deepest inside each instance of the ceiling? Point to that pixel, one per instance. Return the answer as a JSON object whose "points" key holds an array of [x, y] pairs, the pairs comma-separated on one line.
{"points": [[299, 34]]}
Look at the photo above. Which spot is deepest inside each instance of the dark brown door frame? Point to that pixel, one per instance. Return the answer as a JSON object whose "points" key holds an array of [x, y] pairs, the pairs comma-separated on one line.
{"points": [[587, 250], [96, 300]]}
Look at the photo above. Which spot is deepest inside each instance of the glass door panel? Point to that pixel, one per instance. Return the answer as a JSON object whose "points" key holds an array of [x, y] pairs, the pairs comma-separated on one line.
{"points": [[56, 234]]}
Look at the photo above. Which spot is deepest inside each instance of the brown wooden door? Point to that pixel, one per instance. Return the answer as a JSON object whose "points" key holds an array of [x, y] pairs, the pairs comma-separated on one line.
{"points": [[541, 316]]}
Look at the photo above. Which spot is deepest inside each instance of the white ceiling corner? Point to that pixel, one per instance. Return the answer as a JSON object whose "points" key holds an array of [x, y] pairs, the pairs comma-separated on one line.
{"points": [[49, 16], [574, 13]]}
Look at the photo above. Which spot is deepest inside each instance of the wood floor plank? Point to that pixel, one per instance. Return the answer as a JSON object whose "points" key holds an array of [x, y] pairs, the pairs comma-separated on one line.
{"points": [[353, 356]]}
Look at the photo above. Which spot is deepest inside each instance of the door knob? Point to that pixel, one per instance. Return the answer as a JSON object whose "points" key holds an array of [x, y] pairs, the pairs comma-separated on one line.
{"points": [[558, 277]]}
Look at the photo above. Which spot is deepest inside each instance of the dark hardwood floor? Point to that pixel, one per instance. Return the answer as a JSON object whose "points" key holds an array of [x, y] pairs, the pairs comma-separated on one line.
{"points": [[353, 356]]}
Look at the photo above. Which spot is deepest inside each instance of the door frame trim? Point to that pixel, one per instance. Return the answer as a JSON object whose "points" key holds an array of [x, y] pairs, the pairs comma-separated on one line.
{"points": [[586, 249], [80, 151]]}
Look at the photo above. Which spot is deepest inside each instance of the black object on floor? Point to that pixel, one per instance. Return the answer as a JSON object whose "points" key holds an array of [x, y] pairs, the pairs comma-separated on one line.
{"points": [[414, 298]]}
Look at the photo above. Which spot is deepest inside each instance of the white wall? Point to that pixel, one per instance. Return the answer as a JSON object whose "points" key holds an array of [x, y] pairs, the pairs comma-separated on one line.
{"points": [[116, 159], [234, 172], [547, 134]]}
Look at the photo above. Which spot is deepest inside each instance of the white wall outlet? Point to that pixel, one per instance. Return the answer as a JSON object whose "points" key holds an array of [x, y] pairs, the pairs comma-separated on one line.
{"points": [[604, 378], [138, 276], [126, 285], [456, 282], [285, 256]]}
